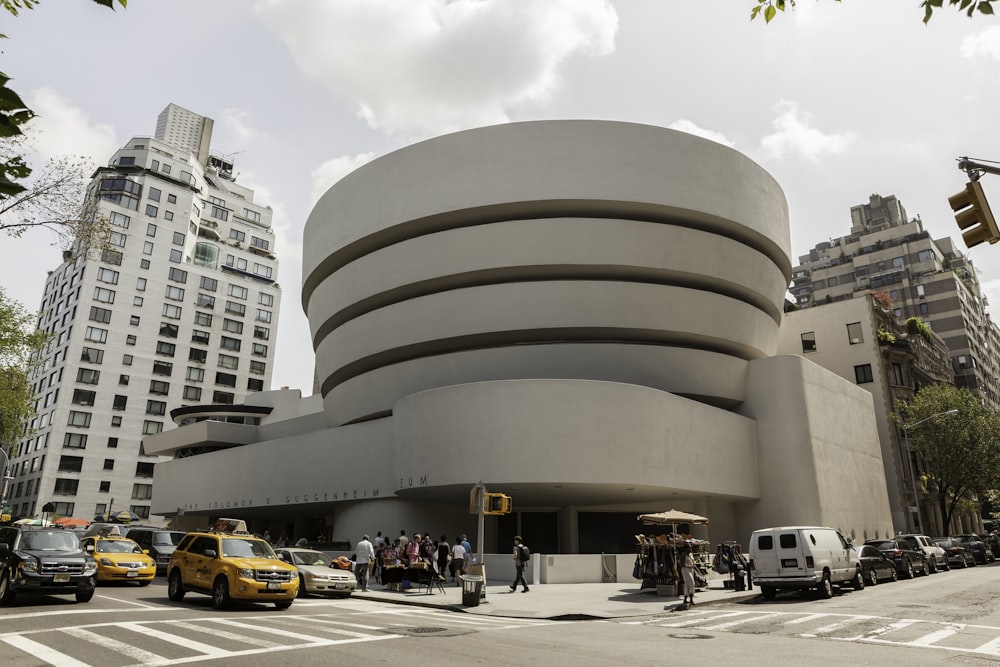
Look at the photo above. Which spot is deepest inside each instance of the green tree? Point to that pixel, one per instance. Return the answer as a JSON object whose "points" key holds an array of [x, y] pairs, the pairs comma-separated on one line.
{"points": [[958, 453], [770, 8], [20, 348], [15, 114]]}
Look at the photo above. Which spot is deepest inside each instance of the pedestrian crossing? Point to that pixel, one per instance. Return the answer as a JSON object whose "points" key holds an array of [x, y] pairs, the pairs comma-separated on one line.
{"points": [[864, 628], [175, 642]]}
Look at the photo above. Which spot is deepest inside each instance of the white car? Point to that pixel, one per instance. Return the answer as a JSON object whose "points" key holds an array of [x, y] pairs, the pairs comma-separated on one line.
{"points": [[317, 574], [937, 559]]}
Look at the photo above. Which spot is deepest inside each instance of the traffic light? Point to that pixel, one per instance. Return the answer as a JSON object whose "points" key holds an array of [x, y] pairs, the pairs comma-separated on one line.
{"points": [[497, 503], [973, 211]]}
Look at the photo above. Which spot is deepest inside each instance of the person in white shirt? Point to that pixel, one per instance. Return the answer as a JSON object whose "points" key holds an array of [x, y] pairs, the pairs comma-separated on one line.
{"points": [[364, 554], [458, 560]]}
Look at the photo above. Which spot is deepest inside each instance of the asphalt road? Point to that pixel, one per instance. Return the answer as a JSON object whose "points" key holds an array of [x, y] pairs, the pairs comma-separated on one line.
{"points": [[946, 618]]}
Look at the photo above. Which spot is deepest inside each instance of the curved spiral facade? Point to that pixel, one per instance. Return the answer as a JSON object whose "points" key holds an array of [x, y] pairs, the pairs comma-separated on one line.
{"points": [[554, 249]]}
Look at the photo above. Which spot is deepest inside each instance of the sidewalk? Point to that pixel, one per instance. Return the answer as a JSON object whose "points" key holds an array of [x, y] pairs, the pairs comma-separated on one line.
{"points": [[558, 601]]}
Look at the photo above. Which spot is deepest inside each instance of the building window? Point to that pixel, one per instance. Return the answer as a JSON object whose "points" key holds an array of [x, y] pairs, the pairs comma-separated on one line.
{"points": [[100, 314], [176, 256], [119, 219], [151, 427], [209, 284], [263, 315], [195, 374], [71, 463], [96, 335], [78, 419], [228, 343], [263, 333], [920, 291], [237, 235], [107, 276], [109, 464], [897, 375], [92, 355], [127, 360], [204, 319], [199, 336], [197, 355], [171, 311], [123, 379], [117, 239], [162, 368], [130, 339], [265, 299], [206, 301], [257, 367], [178, 238], [924, 309], [144, 469], [854, 333], [809, 342], [75, 440], [143, 263], [84, 396], [260, 243], [88, 376], [141, 511], [178, 275], [168, 330], [225, 379], [113, 443], [235, 308], [863, 374], [116, 421], [156, 407], [120, 402], [232, 326], [192, 393], [66, 487], [166, 349], [151, 210], [258, 350], [104, 295], [142, 491], [238, 292], [159, 387], [174, 293], [230, 362], [223, 398], [137, 301], [255, 384]]}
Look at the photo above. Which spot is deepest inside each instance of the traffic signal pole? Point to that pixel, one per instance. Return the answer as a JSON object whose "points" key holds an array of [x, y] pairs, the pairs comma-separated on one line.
{"points": [[972, 210]]}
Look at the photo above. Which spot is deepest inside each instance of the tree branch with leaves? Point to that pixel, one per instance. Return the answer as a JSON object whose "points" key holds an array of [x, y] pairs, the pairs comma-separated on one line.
{"points": [[769, 8], [20, 355]]}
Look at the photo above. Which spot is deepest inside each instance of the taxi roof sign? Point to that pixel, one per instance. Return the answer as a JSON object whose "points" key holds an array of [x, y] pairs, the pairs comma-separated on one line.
{"points": [[232, 526]]}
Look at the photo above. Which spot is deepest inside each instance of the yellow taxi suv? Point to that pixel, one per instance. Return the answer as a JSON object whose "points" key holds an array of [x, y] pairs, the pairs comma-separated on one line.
{"points": [[231, 565], [120, 559]]}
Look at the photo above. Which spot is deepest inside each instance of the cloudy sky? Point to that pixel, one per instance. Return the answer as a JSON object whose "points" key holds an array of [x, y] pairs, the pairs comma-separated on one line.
{"points": [[836, 100]]}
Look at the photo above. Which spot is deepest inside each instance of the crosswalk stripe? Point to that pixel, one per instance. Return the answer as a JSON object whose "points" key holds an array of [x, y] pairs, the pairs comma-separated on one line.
{"points": [[273, 631], [805, 619], [43, 652], [338, 630], [739, 621], [147, 631], [216, 632], [932, 637], [105, 642]]}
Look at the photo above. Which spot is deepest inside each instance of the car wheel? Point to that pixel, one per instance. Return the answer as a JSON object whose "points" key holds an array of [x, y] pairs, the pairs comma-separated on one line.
{"points": [[872, 577], [302, 587], [7, 592], [85, 596], [947, 565], [895, 575], [931, 566], [926, 569], [909, 570], [974, 563], [175, 589], [768, 592], [859, 580], [825, 587], [284, 604], [220, 593]]}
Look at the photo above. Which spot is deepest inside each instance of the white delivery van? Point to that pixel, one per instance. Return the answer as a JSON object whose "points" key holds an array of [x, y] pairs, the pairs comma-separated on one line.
{"points": [[793, 557]]}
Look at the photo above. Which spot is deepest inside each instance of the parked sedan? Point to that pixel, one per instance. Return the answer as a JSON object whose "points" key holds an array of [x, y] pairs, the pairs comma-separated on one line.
{"points": [[908, 561], [317, 573], [936, 558], [958, 556], [975, 546], [875, 566]]}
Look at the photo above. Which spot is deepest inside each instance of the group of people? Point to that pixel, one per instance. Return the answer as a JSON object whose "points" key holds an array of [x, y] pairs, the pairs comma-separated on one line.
{"points": [[441, 558]]}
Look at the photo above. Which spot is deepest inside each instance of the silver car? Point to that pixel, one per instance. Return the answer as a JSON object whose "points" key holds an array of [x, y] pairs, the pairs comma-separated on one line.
{"points": [[937, 559], [317, 574]]}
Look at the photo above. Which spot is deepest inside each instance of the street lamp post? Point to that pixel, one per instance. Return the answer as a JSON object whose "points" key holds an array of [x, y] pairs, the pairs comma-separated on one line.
{"points": [[913, 469], [4, 480]]}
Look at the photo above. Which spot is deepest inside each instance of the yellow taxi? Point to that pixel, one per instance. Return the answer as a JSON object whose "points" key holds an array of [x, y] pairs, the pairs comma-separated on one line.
{"points": [[119, 558], [230, 564]]}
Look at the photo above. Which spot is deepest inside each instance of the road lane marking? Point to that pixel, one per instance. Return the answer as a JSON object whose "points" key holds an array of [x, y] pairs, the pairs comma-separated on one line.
{"points": [[741, 621], [104, 642], [933, 637], [206, 649], [43, 652], [216, 632], [137, 604]]}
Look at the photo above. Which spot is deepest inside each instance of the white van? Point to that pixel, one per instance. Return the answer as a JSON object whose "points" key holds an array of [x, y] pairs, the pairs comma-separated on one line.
{"points": [[793, 557]]}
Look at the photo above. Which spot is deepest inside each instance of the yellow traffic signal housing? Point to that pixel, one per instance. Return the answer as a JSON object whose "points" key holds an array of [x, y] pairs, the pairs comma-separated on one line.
{"points": [[497, 503], [972, 212]]}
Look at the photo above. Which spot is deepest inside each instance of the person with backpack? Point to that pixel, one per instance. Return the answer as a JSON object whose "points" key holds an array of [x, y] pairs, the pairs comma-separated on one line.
{"points": [[521, 557]]}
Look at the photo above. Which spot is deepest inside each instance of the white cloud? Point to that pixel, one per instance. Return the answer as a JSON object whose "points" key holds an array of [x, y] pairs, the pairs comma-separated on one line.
{"points": [[795, 136], [425, 67], [985, 43], [689, 127], [238, 122], [333, 170], [60, 129]]}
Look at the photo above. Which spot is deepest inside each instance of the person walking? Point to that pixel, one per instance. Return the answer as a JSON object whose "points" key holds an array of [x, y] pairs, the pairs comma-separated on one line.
{"points": [[687, 572], [443, 555], [364, 554], [521, 556], [458, 560]]}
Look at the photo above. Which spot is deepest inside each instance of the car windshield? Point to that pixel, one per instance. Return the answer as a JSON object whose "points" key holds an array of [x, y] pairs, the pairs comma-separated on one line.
{"points": [[943, 543], [884, 544], [164, 539], [50, 541], [247, 548], [118, 547], [311, 558]]}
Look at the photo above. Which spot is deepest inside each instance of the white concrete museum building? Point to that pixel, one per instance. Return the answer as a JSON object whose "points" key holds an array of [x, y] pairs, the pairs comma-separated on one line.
{"points": [[581, 314]]}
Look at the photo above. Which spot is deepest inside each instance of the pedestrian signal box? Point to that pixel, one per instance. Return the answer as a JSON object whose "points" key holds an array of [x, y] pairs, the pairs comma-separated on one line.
{"points": [[973, 215], [497, 503]]}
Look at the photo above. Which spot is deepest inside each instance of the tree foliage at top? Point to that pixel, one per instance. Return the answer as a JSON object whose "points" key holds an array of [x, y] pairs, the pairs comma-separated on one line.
{"points": [[14, 113], [959, 453], [20, 345], [770, 8]]}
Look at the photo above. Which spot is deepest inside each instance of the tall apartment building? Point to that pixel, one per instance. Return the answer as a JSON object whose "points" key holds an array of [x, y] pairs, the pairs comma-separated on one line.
{"points": [[180, 309], [924, 277]]}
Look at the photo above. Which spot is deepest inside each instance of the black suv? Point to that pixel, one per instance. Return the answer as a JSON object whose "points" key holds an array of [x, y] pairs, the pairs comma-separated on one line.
{"points": [[47, 561], [157, 542]]}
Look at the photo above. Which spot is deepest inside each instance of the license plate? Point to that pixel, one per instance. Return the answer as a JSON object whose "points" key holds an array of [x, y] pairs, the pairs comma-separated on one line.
{"points": [[789, 562], [274, 585], [131, 573], [60, 578], [340, 586]]}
